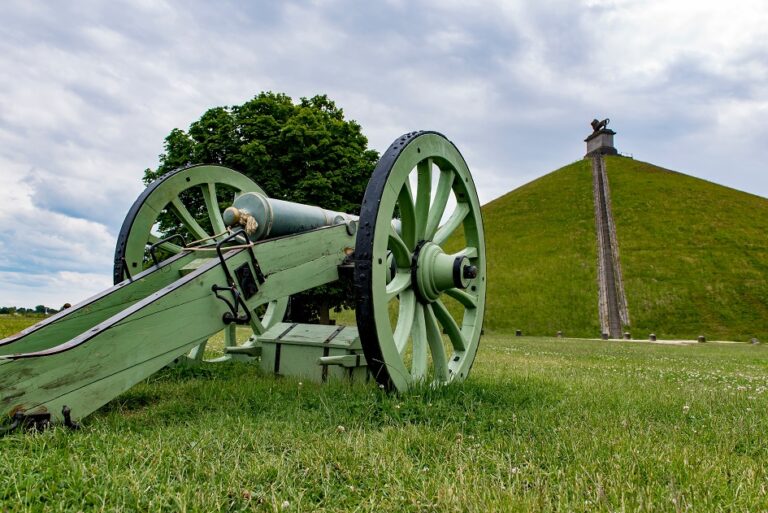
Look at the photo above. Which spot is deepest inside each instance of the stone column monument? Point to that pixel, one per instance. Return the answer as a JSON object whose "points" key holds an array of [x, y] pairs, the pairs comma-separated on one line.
{"points": [[600, 141]]}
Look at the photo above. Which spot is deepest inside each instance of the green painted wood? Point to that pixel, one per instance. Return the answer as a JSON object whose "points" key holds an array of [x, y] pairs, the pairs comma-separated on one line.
{"points": [[344, 337], [71, 322], [95, 366], [314, 352], [193, 265], [166, 193], [343, 360], [252, 351]]}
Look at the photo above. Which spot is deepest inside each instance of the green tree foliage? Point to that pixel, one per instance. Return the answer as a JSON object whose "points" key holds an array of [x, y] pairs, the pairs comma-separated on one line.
{"points": [[304, 152]]}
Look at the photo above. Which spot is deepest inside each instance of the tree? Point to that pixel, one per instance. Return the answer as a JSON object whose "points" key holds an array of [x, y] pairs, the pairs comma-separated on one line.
{"points": [[304, 152]]}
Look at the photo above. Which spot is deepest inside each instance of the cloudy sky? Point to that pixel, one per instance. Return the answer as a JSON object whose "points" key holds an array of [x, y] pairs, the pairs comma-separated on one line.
{"points": [[88, 91]]}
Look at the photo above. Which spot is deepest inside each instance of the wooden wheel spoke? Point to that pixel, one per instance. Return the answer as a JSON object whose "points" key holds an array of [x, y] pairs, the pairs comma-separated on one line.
{"points": [[212, 206], [444, 186], [450, 326], [256, 325], [197, 352], [466, 299], [435, 340], [445, 231], [165, 246], [423, 196], [407, 216], [399, 250], [420, 343], [400, 282], [469, 252], [185, 216], [405, 318], [275, 312]]}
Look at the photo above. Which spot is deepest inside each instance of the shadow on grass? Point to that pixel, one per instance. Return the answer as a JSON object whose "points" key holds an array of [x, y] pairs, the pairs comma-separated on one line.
{"points": [[197, 394]]}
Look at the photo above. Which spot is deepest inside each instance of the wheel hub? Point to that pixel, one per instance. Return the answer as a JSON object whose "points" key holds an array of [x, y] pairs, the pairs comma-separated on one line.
{"points": [[433, 271]]}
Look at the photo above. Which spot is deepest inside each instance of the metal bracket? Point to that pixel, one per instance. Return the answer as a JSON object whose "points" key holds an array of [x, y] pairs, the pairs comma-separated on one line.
{"points": [[235, 234], [347, 270], [327, 351], [66, 412], [154, 246], [234, 306], [36, 421], [246, 280], [17, 420]]}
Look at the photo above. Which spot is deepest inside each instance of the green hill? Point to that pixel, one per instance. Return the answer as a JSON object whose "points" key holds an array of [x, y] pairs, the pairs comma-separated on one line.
{"points": [[541, 248], [694, 254]]}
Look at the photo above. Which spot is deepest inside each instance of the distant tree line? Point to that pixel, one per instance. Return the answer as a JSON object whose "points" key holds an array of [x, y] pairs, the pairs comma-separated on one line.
{"points": [[39, 309]]}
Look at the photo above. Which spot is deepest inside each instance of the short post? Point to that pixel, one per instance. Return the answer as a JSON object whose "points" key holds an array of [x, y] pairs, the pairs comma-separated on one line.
{"points": [[652, 337], [559, 334], [702, 338], [518, 333], [627, 335]]}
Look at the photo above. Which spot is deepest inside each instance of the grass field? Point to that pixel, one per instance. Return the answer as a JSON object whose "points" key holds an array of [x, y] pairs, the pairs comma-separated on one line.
{"points": [[541, 424], [10, 324]]}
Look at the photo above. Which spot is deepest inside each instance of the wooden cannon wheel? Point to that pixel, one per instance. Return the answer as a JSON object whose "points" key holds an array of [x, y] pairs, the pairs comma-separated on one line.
{"points": [[420, 269], [194, 196]]}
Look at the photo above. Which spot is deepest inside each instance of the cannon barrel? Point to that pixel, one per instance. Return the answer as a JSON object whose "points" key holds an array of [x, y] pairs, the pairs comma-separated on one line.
{"points": [[265, 217]]}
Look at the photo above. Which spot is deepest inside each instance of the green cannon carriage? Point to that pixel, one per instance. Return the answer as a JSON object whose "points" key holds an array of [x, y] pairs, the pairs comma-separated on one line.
{"points": [[419, 306]]}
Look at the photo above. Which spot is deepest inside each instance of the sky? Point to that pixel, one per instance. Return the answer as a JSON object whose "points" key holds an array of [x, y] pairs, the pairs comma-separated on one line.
{"points": [[90, 89]]}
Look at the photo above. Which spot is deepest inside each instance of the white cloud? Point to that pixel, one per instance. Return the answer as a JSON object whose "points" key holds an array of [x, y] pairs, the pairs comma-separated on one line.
{"points": [[51, 289]]}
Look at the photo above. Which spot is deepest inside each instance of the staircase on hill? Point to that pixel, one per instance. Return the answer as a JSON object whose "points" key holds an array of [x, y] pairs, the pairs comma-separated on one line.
{"points": [[612, 301]]}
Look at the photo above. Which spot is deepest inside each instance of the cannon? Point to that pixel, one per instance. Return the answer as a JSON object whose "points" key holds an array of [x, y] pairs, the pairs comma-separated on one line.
{"points": [[415, 259]]}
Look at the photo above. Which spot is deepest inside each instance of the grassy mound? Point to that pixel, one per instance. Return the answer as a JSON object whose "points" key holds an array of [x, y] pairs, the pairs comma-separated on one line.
{"points": [[542, 256], [694, 254]]}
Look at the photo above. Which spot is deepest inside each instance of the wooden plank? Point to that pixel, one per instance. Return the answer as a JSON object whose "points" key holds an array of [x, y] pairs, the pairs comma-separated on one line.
{"points": [[98, 364], [71, 322]]}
